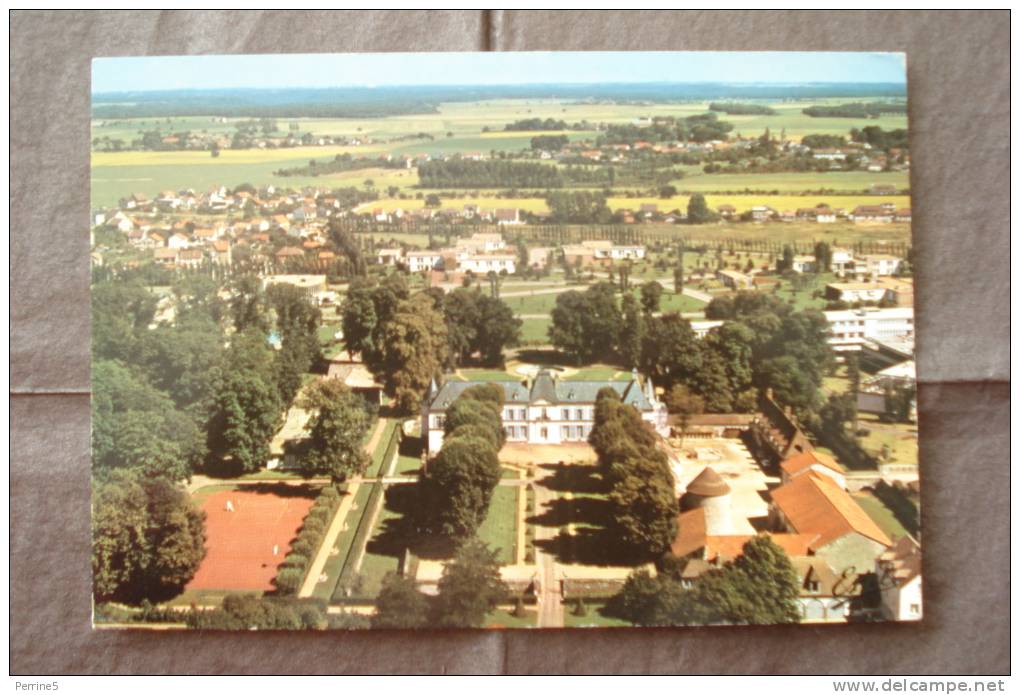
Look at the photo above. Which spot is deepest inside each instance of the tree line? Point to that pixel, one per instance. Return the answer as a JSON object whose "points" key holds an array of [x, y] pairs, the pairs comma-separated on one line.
{"points": [[872, 109], [406, 340]]}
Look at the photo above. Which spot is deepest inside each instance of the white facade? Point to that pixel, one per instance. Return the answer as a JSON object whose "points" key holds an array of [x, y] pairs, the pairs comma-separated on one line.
{"points": [[852, 328], [620, 252], [877, 265], [547, 411], [418, 261], [481, 264]]}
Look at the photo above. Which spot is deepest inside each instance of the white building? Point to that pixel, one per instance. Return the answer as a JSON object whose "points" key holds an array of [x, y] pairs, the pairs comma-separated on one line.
{"points": [[482, 264], [803, 264], [842, 259], [852, 328], [701, 328], [899, 580], [546, 411], [389, 256], [877, 264], [423, 260], [626, 251]]}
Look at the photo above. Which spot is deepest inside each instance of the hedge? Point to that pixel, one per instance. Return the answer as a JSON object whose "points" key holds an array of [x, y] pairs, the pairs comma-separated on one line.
{"points": [[304, 549]]}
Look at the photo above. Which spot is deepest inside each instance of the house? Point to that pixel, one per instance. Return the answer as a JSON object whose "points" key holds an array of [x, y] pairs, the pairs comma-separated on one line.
{"points": [[220, 252], [877, 264], [873, 214], [761, 213], [841, 260], [825, 596], [625, 251], [829, 154], [899, 580], [813, 461], [120, 221], [902, 215], [538, 256], [508, 216], [167, 256], [577, 255], [855, 291], [727, 211], [851, 329], [546, 410], [418, 261], [847, 537], [821, 213], [287, 253], [389, 256], [356, 376], [803, 264], [701, 328], [883, 189], [178, 241], [190, 258], [481, 264]]}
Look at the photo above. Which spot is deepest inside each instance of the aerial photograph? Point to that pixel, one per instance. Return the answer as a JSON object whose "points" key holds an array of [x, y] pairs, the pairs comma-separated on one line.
{"points": [[502, 341]]}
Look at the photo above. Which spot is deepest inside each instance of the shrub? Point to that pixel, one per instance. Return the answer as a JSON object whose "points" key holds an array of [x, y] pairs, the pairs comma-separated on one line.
{"points": [[313, 526], [288, 581], [297, 560], [302, 547]]}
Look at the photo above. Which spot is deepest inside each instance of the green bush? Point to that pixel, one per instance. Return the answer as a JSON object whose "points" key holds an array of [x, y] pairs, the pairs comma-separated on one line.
{"points": [[313, 526], [296, 560], [288, 581], [302, 547]]}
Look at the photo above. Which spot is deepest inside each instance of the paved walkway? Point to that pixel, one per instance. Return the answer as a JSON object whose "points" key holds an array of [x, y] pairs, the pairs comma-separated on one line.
{"points": [[550, 600], [337, 525]]}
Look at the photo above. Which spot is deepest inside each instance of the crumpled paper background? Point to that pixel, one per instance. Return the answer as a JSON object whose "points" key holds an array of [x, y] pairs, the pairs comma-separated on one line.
{"points": [[958, 72]]}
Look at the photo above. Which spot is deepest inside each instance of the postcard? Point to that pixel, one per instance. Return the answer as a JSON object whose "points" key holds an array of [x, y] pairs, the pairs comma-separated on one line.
{"points": [[502, 340]]}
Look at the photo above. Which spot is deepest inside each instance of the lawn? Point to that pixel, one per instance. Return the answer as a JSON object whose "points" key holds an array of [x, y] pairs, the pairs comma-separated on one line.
{"points": [[505, 618], [499, 530], [599, 373], [486, 375], [881, 514], [533, 304], [535, 331], [900, 438], [379, 453], [374, 566], [593, 617], [335, 562]]}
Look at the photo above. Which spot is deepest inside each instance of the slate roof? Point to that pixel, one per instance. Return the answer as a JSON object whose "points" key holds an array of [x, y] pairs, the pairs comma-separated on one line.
{"points": [[545, 388]]}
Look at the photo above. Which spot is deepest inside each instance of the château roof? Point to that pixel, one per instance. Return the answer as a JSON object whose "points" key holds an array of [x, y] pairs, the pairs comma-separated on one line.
{"points": [[547, 388]]}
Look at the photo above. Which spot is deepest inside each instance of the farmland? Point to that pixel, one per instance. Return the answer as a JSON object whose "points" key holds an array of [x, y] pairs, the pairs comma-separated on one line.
{"points": [[457, 128]]}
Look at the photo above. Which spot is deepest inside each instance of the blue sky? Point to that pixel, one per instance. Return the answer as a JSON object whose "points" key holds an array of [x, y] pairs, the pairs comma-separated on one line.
{"points": [[378, 69]]}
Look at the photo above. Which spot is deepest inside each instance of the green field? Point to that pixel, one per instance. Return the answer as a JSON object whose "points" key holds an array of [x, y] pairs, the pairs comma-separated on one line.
{"points": [[117, 174]]}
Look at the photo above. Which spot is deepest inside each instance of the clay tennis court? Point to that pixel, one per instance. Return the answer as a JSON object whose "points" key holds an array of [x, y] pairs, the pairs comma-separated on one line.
{"points": [[239, 543]]}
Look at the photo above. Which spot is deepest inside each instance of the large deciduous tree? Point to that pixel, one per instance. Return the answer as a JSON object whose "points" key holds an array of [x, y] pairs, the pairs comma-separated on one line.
{"points": [[412, 348], [246, 407], [148, 538], [400, 606], [336, 431], [469, 588]]}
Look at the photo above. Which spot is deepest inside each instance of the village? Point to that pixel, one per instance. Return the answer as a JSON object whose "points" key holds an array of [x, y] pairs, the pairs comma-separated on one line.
{"points": [[839, 510]]}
